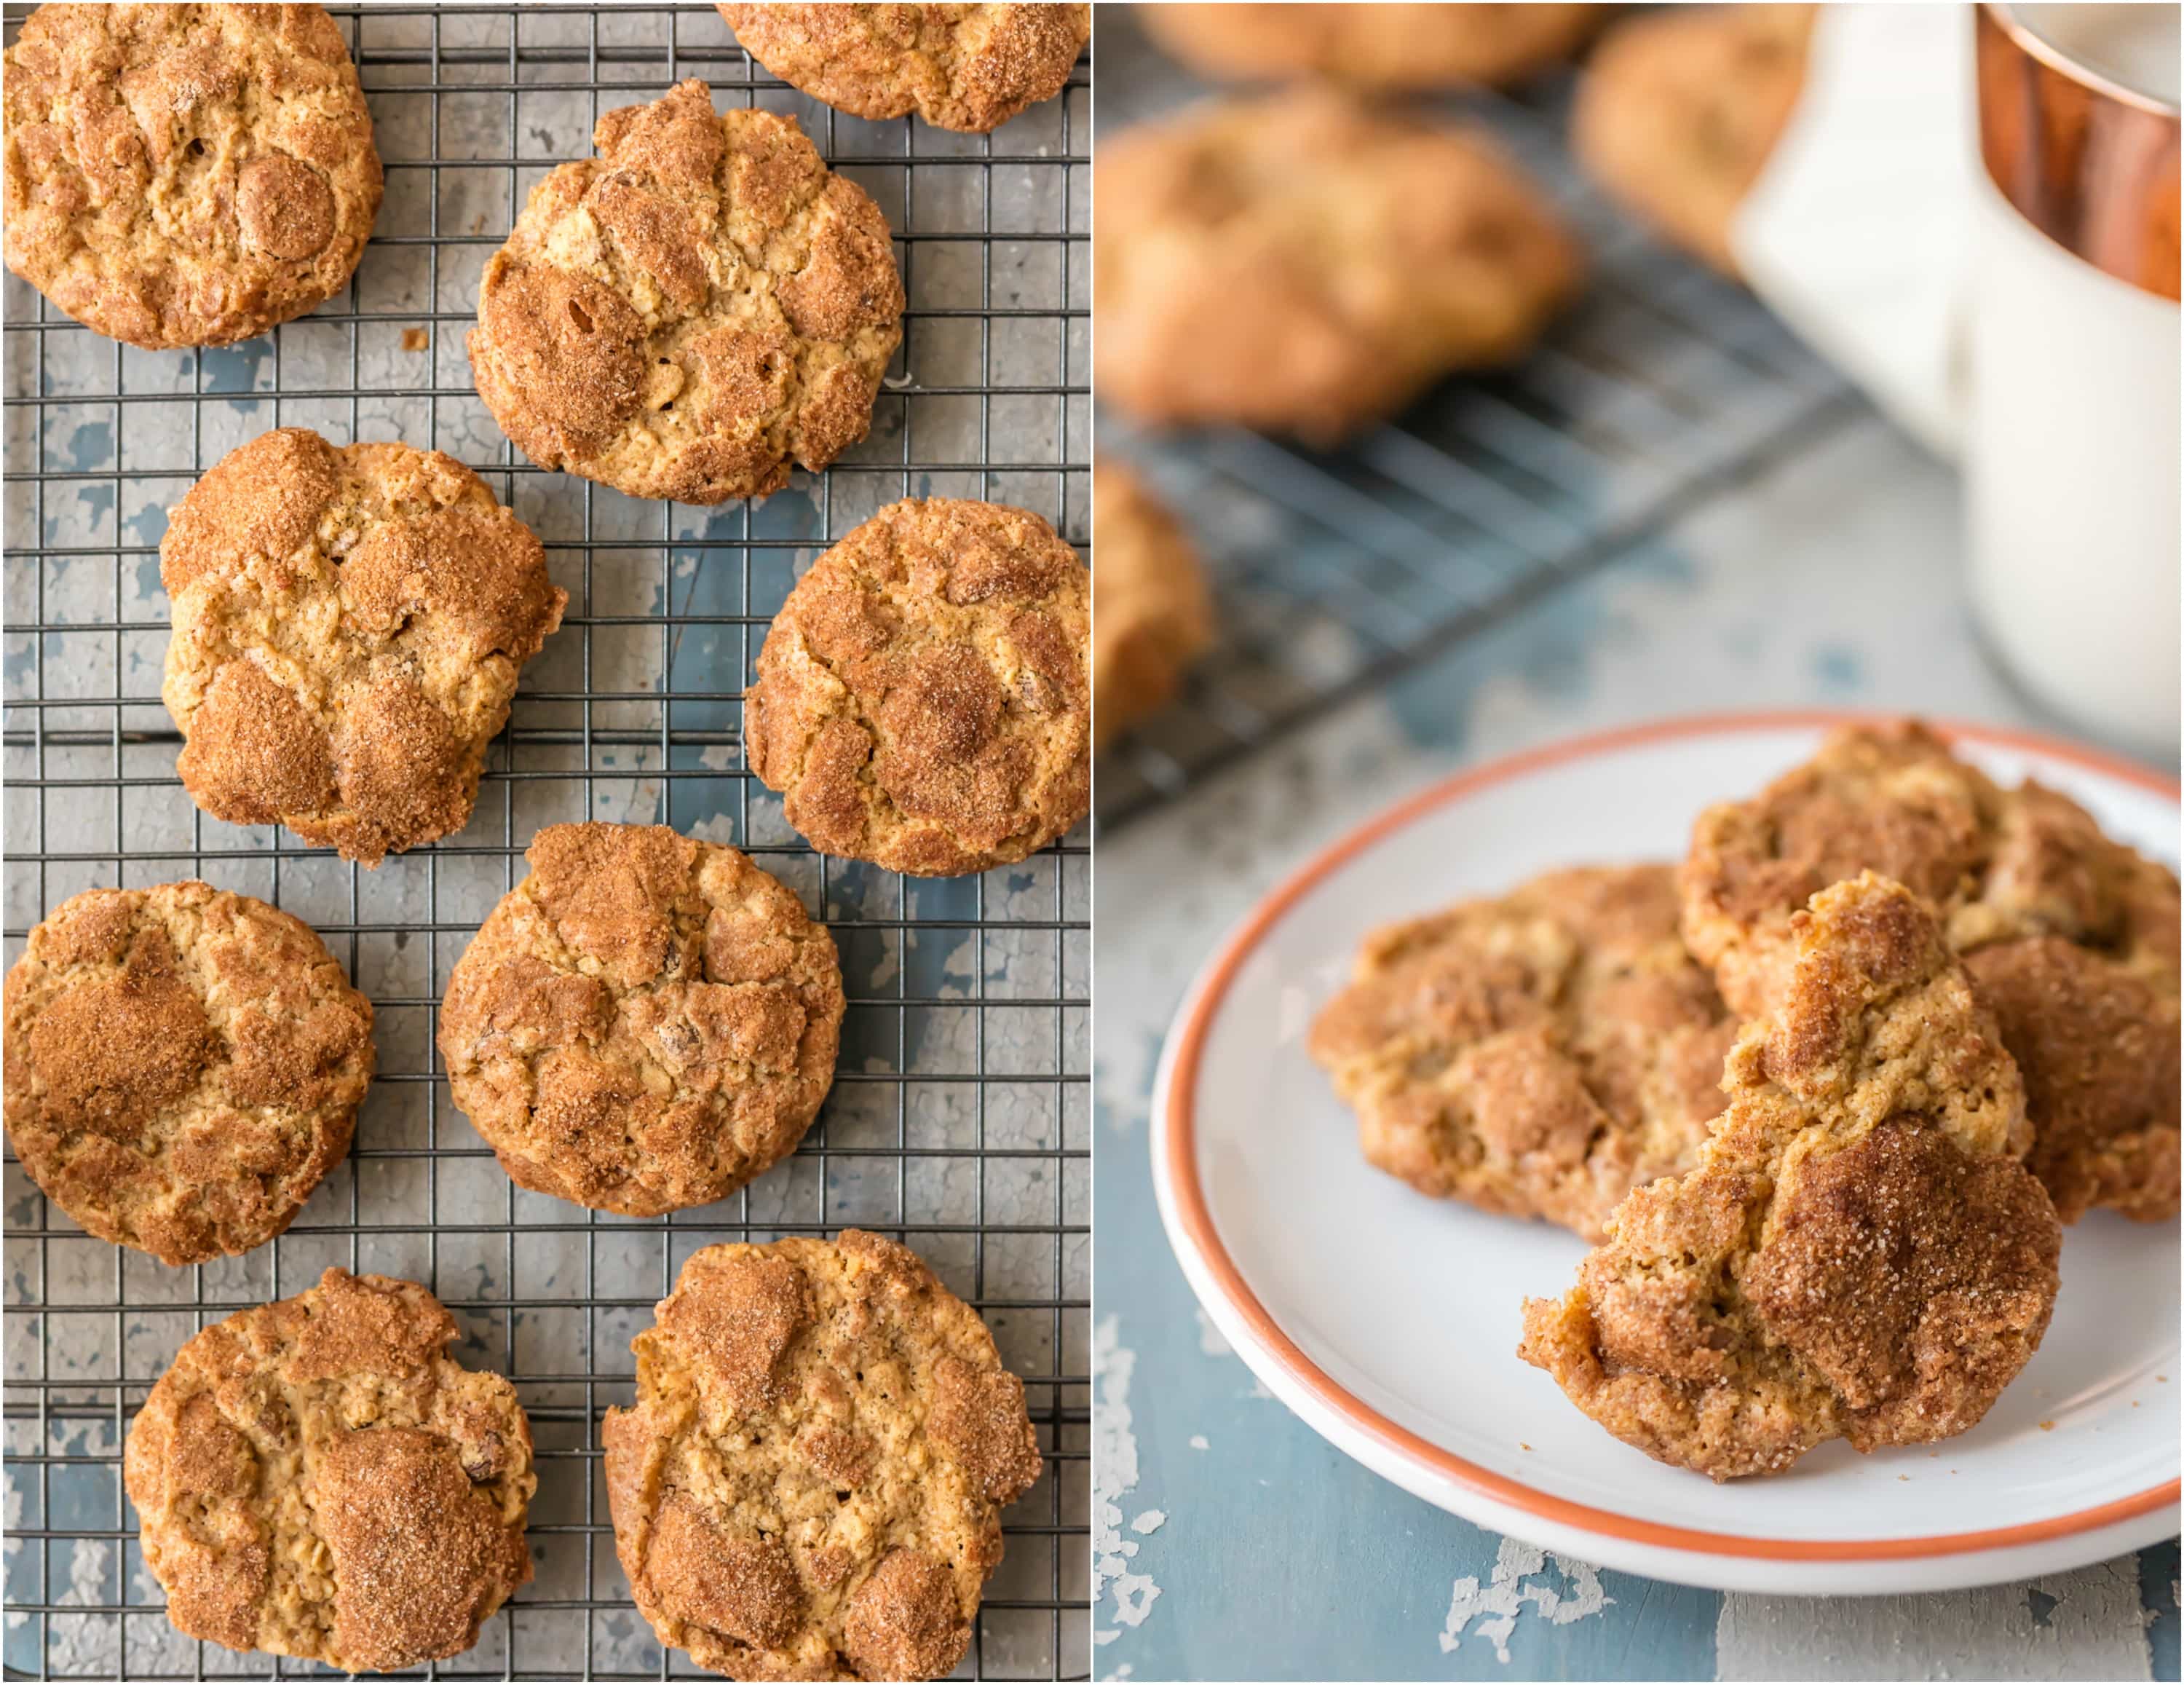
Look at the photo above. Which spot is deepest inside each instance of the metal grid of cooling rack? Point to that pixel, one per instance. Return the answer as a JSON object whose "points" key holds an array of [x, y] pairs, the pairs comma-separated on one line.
{"points": [[1335, 572], [960, 1118]]}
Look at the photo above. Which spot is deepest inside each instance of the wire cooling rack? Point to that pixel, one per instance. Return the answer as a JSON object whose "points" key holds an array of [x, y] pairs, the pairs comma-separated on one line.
{"points": [[1333, 573], [960, 1117]]}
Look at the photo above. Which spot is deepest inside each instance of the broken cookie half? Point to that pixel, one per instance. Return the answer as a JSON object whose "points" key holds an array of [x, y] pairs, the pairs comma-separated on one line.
{"points": [[1860, 1253]]}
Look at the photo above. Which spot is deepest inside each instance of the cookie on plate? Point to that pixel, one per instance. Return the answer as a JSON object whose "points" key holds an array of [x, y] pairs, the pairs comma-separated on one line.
{"points": [[186, 175], [2070, 938], [966, 68], [1860, 1253], [318, 1478], [1393, 46], [1152, 614], [183, 1066], [1540, 1053], [810, 1483], [349, 623], [1678, 112], [923, 698], [692, 310], [1305, 264], [645, 1023]]}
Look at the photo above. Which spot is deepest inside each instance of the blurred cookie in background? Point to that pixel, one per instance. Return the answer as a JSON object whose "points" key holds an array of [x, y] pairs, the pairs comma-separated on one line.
{"points": [[1300, 263], [1371, 47], [1152, 614]]}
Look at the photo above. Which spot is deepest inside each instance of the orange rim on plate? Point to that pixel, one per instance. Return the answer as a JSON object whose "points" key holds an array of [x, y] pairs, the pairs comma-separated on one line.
{"points": [[1197, 1222]]}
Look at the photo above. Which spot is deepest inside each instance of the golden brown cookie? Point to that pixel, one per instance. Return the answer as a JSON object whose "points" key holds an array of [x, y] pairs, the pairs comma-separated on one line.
{"points": [[183, 1066], [645, 1023], [1860, 1254], [349, 627], [689, 312], [967, 67], [2071, 939], [1152, 614], [924, 699], [810, 1482], [1540, 1054], [1678, 111], [318, 1478], [1305, 264], [1395, 47], [186, 175]]}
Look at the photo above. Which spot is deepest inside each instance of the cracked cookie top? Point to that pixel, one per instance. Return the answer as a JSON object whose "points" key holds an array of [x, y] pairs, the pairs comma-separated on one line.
{"points": [[318, 1478], [1540, 1053], [645, 1023], [183, 1066], [809, 1485], [1393, 46], [966, 68], [923, 699], [2071, 937], [1860, 1252], [349, 625], [1153, 614], [692, 310], [186, 175]]}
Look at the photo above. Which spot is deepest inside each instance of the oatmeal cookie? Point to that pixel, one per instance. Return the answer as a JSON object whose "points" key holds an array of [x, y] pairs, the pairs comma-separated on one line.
{"points": [[349, 627], [1392, 47], [318, 1478], [924, 699], [183, 1066], [1540, 1054], [966, 68], [645, 1023], [810, 1483], [1859, 1254], [186, 175], [689, 312], [1152, 614], [1677, 114], [2070, 938], [1305, 264]]}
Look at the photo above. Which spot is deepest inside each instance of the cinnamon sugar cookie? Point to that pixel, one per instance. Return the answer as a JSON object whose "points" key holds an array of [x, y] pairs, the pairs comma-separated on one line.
{"points": [[1152, 614]]}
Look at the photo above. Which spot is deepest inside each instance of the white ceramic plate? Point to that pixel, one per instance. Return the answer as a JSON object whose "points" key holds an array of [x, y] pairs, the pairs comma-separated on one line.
{"points": [[1389, 1321]]}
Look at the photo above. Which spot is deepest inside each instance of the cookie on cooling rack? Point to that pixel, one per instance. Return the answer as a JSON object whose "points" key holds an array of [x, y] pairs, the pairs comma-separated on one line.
{"points": [[1678, 112], [1306, 265], [1859, 1253], [183, 1066], [1152, 614], [1395, 46], [318, 1478], [966, 68], [1540, 1053], [691, 311], [924, 699], [348, 627], [2070, 938], [645, 1023], [186, 175], [810, 1483]]}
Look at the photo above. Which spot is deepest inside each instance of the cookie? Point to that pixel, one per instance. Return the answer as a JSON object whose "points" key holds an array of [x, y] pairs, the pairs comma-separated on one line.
{"points": [[318, 1478], [645, 1023], [1152, 614], [1679, 110], [1376, 251], [691, 311], [1390, 47], [966, 68], [1859, 1254], [349, 624], [183, 1066], [2070, 938], [923, 697], [186, 175], [810, 1483], [1540, 1054]]}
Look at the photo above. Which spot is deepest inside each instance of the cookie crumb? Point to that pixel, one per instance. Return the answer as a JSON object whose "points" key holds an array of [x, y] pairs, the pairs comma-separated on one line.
{"points": [[2046, 1427], [415, 339]]}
